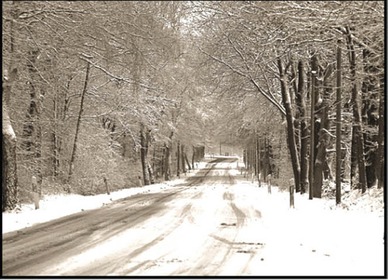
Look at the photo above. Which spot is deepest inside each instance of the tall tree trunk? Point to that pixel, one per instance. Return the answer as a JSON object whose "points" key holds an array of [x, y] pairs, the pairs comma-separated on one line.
{"points": [[81, 108], [29, 125], [290, 125], [320, 158], [143, 154], [319, 146], [251, 158], [328, 90], [183, 158], [313, 91], [369, 112], [353, 158], [265, 159], [163, 160], [258, 156], [31, 135], [9, 164], [245, 158], [153, 158], [193, 157], [167, 158], [297, 119], [381, 135], [9, 176], [54, 139], [357, 122], [303, 132], [338, 126], [151, 174], [187, 161], [178, 166]]}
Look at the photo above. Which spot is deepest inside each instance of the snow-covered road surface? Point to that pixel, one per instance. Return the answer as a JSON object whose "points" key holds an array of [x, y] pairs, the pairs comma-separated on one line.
{"points": [[213, 224], [192, 229]]}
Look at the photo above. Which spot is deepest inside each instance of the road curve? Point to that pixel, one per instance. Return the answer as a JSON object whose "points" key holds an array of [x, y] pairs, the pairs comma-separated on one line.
{"points": [[196, 228]]}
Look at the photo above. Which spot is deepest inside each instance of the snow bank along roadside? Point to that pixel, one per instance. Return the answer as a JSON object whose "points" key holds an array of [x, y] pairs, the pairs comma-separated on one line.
{"points": [[319, 238], [57, 206]]}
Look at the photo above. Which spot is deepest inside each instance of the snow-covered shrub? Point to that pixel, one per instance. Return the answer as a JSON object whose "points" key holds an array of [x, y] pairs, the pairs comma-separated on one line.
{"points": [[96, 159]]}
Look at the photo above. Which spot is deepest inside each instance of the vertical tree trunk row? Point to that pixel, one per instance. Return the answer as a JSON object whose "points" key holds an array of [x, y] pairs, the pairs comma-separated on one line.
{"points": [[320, 166], [357, 142], [369, 113]]}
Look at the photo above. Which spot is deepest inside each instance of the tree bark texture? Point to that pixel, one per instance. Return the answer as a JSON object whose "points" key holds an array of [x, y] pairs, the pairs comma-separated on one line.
{"points": [[9, 176], [338, 126], [32, 135], [369, 112], [320, 166], [183, 159], [167, 158], [317, 135], [29, 125], [357, 121], [314, 71], [258, 162], [381, 135], [303, 134], [151, 174], [193, 158], [144, 153], [9, 165], [290, 125], [55, 140], [187, 161], [178, 167], [81, 108]]}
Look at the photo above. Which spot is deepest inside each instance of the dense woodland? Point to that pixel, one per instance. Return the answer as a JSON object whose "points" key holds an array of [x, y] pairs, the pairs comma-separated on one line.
{"points": [[107, 95]]}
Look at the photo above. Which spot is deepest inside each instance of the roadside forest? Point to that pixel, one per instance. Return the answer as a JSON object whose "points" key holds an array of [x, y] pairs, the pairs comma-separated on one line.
{"points": [[98, 95]]}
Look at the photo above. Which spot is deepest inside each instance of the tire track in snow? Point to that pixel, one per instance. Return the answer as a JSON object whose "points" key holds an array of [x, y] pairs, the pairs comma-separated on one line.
{"points": [[185, 214], [37, 250], [225, 236], [172, 226], [222, 254]]}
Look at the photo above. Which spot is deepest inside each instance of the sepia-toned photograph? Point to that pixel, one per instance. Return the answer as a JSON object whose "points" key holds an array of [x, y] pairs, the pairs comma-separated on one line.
{"points": [[193, 139]]}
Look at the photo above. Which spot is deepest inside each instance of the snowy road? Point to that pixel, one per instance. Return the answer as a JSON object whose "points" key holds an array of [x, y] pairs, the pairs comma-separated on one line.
{"points": [[202, 227]]}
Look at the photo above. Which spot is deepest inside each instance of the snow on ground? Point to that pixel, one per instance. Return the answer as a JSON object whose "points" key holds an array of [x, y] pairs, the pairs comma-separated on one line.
{"points": [[56, 206], [314, 238], [342, 242]]}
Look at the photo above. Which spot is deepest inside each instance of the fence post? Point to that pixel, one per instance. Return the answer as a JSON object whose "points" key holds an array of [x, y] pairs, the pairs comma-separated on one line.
{"points": [[269, 183], [140, 181], [292, 189], [106, 186], [35, 192]]}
